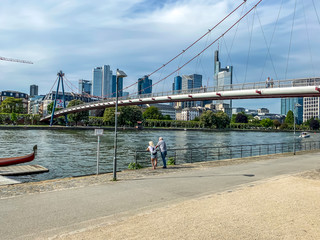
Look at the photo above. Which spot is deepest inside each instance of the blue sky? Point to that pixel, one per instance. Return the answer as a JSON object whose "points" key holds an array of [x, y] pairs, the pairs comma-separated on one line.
{"points": [[139, 36]]}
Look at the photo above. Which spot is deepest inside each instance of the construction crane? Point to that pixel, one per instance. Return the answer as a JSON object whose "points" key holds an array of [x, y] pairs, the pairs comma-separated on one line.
{"points": [[15, 60]]}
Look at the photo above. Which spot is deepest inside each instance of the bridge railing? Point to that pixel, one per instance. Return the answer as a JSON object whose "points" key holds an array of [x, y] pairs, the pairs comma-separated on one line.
{"points": [[203, 154]]}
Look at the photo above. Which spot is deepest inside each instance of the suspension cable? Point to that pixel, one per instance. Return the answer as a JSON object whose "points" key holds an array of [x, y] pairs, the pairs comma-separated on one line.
{"points": [[315, 9], [250, 41], [191, 45], [206, 47], [294, 14]]}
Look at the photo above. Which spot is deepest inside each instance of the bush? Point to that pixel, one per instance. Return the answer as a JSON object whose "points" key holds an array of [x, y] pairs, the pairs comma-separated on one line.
{"points": [[133, 166], [171, 161]]}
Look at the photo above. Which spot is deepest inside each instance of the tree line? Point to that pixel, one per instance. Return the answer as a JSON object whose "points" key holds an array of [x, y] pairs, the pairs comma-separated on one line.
{"points": [[12, 112]]}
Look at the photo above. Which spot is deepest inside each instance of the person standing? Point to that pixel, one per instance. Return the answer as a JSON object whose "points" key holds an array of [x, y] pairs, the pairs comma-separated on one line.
{"points": [[153, 151], [163, 151], [268, 82]]}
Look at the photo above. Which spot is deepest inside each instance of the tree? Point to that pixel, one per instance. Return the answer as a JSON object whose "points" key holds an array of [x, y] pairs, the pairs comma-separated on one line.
{"points": [[289, 118], [79, 116], [167, 117], [129, 115], [266, 122], [50, 107], [276, 123], [314, 124], [207, 119], [152, 113], [12, 105], [241, 118], [221, 120]]}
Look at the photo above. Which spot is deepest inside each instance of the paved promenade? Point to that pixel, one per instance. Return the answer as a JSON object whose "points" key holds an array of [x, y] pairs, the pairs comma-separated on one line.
{"points": [[83, 208]]}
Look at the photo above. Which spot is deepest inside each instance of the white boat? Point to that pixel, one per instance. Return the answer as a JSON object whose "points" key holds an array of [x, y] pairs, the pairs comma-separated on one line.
{"points": [[304, 135]]}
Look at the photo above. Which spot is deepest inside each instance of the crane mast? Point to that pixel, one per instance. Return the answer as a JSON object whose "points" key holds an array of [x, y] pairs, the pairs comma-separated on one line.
{"points": [[15, 60]]}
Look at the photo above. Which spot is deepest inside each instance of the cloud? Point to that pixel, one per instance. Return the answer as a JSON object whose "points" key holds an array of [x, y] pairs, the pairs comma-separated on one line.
{"points": [[139, 36]]}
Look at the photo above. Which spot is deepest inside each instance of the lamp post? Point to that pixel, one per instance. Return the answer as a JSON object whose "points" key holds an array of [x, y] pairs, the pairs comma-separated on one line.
{"points": [[294, 127], [118, 75]]}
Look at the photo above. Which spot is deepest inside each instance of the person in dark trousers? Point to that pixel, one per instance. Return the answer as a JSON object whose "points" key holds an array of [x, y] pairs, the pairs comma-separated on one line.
{"points": [[163, 150]]}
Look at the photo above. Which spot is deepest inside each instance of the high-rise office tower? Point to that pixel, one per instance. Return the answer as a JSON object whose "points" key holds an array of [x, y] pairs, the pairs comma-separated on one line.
{"points": [[102, 81], [85, 86], [114, 86], [289, 104], [33, 90], [222, 77], [190, 82], [177, 84], [144, 85]]}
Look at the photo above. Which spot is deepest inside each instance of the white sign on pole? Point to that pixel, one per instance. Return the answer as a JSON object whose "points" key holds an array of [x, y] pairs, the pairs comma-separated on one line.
{"points": [[98, 132]]}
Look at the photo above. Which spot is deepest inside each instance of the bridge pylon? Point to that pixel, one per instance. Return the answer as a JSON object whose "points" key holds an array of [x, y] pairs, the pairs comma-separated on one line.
{"points": [[60, 75]]}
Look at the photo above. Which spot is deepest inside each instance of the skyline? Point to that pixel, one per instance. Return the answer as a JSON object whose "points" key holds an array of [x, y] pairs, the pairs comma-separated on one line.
{"points": [[139, 36]]}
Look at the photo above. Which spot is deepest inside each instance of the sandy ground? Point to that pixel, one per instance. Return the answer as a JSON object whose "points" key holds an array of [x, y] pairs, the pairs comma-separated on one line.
{"points": [[287, 207]]}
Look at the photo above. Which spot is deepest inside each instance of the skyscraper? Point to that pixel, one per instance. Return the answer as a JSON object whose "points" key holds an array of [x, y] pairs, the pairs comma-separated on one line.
{"points": [[190, 82], [102, 81], [144, 85], [33, 90], [85, 86], [289, 103], [177, 84], [114, 86], [222, 77]]}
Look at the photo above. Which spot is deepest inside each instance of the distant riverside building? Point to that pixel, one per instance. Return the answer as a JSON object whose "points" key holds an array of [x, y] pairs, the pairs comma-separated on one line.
{"points": [[311, 108], [85, 86], [189, 114], [189, 82], [33, 90], [114, 86], [288, 104], [125, 94], [35, 105], [222, 77], [238, 110], [144, 85], [15, 94], [165, 109], [102, 81]]}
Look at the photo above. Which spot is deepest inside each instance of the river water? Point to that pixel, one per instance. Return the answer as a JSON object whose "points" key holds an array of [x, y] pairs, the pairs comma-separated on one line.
{"points": [[69, 153]]}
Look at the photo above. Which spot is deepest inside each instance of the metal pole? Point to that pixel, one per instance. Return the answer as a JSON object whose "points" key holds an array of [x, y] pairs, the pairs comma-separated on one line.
{"points": [[294, 131], [115, 134], [98, 154]]}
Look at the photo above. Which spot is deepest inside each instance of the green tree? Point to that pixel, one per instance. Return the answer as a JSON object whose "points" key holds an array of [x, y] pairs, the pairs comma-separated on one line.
{"points": [[289, 118], [79, 116], [167, 117], [314, 124], [12, 105], [266, 122], [241, 118], [152, 113], [276, 123], [207, 119], [221, 120], [129, 115], [50, 108]]}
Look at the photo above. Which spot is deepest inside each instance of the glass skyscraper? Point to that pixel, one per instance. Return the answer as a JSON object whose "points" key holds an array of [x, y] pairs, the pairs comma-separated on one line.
{"points": [[85, 86], [102, 82], [190, 82], [114, 86], [33, 90], [144, 85], [289, 103]]}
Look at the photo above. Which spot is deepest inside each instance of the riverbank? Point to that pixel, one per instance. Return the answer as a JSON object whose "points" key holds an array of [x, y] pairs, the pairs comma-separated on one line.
{"points": [[252, 198], [110, 128]]}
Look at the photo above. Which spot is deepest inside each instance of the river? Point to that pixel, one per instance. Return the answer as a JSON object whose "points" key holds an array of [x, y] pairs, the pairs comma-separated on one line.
{"points": [[69, 153]]}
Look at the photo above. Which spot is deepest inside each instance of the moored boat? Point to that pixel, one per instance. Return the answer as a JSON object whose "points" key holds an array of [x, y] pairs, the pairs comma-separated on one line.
{"points": [[17, 160]]}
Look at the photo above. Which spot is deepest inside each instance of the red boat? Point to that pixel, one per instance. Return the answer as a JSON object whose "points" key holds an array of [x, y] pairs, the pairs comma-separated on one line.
{"points": [[17, 160]]}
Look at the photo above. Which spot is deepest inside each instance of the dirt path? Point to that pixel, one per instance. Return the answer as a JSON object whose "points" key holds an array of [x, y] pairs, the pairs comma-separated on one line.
{"points": [[279, 208]]}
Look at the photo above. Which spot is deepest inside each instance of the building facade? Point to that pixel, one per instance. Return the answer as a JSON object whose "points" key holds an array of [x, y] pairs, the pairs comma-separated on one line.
{"points": [[33, 90], [15, 94], [114, 86], [222, 77], [144, 85], [102, 82], [288, 104], [189, 82], [311, 108], [85, 86]]}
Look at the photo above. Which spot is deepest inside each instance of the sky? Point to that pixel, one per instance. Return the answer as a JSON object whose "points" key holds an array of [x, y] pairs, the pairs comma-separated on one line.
{"points": [[279, 39]]}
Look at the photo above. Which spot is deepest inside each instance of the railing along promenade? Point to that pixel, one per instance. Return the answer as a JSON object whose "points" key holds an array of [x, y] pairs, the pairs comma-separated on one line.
{"points": [[303, 87], [204, 154]]}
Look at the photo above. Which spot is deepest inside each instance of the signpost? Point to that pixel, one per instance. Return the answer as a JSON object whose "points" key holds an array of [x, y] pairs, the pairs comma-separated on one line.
{"points": [[98, 132]]}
